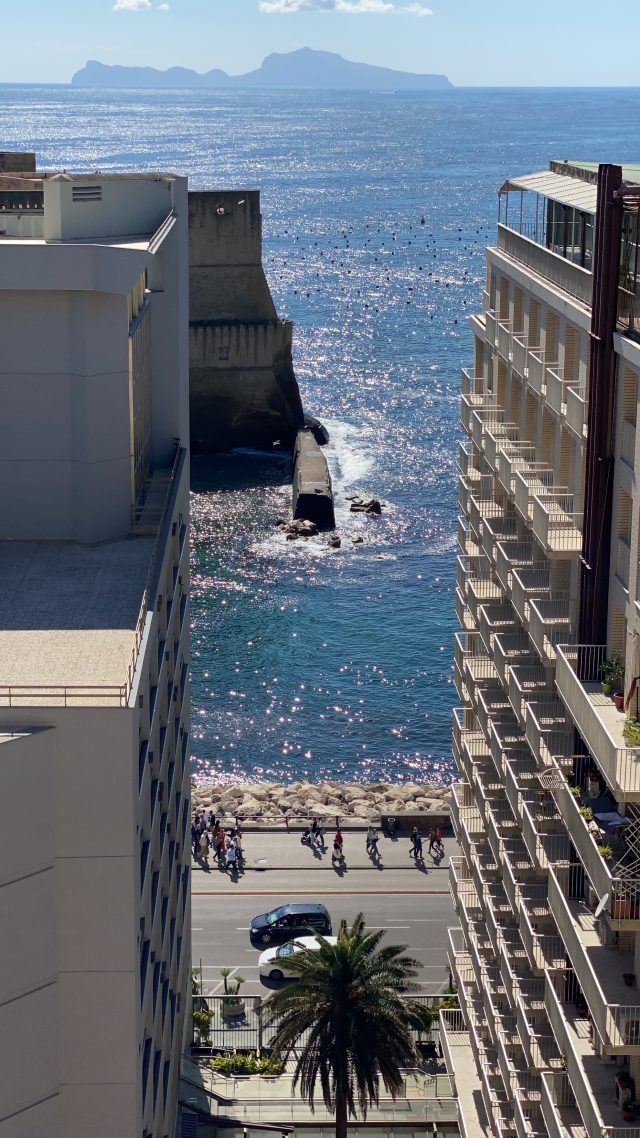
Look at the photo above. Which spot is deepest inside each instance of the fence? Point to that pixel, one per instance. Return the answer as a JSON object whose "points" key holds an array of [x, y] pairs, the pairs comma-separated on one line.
{"points": [[239, 1026]]}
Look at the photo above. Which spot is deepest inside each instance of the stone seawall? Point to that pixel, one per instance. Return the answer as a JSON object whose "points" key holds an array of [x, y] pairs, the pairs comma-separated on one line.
{"points": [[273, 803]]}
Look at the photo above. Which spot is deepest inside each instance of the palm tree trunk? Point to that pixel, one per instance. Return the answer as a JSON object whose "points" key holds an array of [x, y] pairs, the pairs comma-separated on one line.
{"points": [[341, 1111]]}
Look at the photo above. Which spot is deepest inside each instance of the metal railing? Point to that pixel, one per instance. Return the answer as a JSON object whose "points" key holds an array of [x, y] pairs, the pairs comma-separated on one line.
{"points": [[555, 525], [577, 409], [578, 679], [572, 279]]}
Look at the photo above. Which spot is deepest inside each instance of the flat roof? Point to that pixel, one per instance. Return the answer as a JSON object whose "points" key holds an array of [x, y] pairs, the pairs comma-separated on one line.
{"points": [[68, 614], [559, 187], [630, 170]]}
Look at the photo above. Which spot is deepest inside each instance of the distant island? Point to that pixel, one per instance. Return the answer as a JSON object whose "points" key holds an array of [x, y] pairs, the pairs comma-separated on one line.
{"points": [[294, 69]]}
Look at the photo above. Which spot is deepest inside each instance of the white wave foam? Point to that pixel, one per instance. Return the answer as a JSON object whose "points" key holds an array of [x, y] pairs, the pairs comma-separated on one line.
{"points": [[349, 459]]}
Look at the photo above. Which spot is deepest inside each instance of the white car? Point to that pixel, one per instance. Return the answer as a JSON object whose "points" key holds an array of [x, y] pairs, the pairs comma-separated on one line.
{"points": [[273, 962]]}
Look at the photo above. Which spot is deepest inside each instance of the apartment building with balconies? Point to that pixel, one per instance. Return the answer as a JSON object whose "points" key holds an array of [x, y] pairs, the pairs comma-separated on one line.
{"points": [[547, 812], [94, 651]]}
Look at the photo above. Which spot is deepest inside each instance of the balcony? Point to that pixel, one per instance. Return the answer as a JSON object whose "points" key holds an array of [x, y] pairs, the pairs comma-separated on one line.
{"points": [[527, 683], [496, 620], [577, 827], [462, 1068], [576, 417], [595, 716], [557, 387], [599, 970], [534, 479], [592, 1082], [519, 355], [537, 371], [506, 741], [482, 506], [512, 458], [491, 326], [526, 585], [464, 617], [471, 384], [570, 278], [492, 704], [496, 435], [511, 649], [469, 404], [463, 726], [503, 340], [543, 833], [501, 528], [559, 1110], [548, 731], [521, 778], [555, 526], [510, 555], [474, 752], [551, 621]]}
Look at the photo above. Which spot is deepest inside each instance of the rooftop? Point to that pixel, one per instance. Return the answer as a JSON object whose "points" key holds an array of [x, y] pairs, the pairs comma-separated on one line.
{"points": [[68, 618]]}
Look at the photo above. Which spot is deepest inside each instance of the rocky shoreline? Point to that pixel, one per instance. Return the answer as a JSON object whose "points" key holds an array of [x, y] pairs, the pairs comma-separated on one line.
{"points": [[297, 802]]}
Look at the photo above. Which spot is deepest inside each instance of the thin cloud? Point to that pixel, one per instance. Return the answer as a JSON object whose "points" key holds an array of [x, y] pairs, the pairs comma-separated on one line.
{"points": [[347, 7], [132, 5], [164, 7]]}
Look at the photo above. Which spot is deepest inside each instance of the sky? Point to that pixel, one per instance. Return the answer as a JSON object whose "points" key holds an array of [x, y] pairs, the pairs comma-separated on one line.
{"points": [[475, 42]]}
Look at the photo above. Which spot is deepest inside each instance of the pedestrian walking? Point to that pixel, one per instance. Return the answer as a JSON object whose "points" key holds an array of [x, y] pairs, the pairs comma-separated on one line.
{"points": [[232, 854], [314, 831], [222, 846], [432, 839], [368, 841], [195, 839], [320, 842], [338, 847], [374, 853], [204, 847], [418, 848], [414, 838], [439, 841]]}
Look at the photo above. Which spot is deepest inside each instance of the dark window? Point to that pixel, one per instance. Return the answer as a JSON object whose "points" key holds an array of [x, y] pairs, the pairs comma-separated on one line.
{"points": [[146, 1056]]}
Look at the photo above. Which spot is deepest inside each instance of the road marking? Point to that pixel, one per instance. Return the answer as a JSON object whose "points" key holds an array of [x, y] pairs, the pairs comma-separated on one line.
{"points": [[388, 926], [321, 893], [209, 967], [196, 930], [243, 928]]}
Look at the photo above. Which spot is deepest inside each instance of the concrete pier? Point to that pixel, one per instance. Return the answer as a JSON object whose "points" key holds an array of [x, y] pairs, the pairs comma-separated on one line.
{"points": [[312, 491]]}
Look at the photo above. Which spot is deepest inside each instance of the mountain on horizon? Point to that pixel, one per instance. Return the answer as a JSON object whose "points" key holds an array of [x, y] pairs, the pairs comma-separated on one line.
{"points": [[305, 68]]}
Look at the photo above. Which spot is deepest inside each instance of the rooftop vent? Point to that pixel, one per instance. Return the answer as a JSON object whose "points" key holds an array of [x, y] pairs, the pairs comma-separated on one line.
{"points": [[87, 194]]}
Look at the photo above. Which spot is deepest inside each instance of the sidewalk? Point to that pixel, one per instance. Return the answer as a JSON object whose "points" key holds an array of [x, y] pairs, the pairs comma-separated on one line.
{"points": [[276, 858]]}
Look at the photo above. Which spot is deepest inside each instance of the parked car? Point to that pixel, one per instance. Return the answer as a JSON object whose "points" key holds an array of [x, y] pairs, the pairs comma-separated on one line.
{"points": [[273, 962], [290, 921]]}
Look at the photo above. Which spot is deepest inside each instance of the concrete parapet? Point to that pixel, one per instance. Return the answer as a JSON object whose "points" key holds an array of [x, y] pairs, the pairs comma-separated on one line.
{"points": [[312, 490]]}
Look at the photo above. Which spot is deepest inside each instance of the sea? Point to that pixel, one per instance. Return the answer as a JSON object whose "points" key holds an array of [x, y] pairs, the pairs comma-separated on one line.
{"points": [[312, 663]]}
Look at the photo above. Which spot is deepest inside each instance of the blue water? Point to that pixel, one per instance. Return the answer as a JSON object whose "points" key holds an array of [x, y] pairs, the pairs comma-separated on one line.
{"points": [[308, 662]]}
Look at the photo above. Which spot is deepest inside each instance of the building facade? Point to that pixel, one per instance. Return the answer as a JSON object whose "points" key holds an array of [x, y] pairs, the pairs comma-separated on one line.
{"points": [[94, 651], [547, 809]]}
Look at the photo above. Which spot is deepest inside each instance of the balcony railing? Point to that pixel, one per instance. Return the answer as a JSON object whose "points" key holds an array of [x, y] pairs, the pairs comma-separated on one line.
{"points": [[548, 731], [525, 585], [531, 481], [514, 456], [513, 648], [538, 371], [526, 683], [503, 340], [510, 555], [577, 410], [555, 525], [471, 403], [495, 437], [496, 620], [551, 621], [471, 384], [497, 529], [519, 354], [570, 278], [578, 679], [599, 970]]}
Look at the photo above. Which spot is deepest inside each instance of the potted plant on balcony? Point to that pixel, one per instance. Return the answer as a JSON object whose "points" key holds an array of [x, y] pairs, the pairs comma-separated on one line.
{"points": [[605, 852], [631, 731], [612, 672], [232, 1003]]}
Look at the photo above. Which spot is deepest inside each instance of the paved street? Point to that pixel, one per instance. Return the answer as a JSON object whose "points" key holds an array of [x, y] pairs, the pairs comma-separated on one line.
{"points": [[221, 931]]}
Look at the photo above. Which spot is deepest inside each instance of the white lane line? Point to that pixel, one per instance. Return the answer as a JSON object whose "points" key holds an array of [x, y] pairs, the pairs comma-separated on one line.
{"points": [[243, 928], [217, 967], [194, 930], [388, 926]]}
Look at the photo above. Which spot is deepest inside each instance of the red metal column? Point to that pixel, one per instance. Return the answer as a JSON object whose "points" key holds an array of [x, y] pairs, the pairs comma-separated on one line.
{"points": [[598, 491]]}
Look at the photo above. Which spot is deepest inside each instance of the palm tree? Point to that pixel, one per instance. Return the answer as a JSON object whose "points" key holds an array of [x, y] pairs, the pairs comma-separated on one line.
{"points": [[349, 1009]]}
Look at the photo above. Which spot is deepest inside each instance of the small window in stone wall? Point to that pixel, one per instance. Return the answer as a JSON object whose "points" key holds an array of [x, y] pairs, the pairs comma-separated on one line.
{"points": [[223, 353]]}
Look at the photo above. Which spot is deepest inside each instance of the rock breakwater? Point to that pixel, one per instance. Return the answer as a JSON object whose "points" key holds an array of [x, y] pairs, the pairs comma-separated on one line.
{"points": [[274, 803]]}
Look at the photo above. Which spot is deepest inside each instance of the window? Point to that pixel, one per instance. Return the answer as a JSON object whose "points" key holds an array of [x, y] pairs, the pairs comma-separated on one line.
{"points": [[223, 352]]}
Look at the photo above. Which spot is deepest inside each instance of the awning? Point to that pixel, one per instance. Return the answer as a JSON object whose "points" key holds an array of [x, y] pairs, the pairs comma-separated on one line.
{"points": [[570, 191]]}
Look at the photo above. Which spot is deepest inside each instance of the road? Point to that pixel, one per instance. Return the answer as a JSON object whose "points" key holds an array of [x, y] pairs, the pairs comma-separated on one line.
{"points": [[220, 925]]}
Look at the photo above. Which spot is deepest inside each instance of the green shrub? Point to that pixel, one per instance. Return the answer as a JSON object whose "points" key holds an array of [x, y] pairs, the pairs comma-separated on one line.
{"points": [[631, 731], [575, 791], [247, 1064], [606, 852], [202, 1027], [587, 813]]}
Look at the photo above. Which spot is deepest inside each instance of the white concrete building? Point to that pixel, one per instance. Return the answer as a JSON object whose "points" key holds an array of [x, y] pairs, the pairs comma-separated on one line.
{"points": [[547, 961], [94, 643]]}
